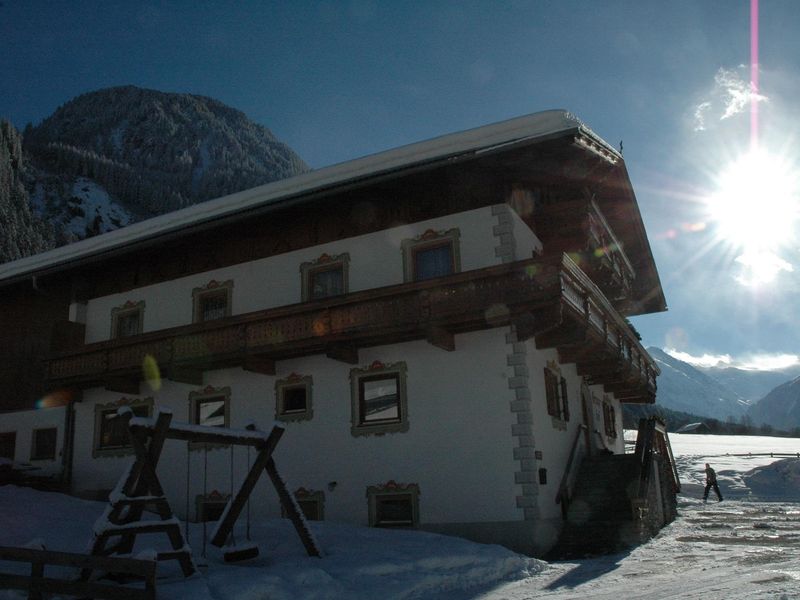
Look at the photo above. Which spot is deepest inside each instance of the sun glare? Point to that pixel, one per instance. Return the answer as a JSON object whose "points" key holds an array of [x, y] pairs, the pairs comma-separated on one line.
{"points": [[755, 209]]}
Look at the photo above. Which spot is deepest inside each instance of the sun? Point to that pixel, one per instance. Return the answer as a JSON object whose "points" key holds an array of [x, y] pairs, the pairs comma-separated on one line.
{"points": [[755, 210]]}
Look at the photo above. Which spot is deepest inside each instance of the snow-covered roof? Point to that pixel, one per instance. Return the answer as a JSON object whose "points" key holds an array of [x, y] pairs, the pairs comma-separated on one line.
{"points": [[526, 129]]}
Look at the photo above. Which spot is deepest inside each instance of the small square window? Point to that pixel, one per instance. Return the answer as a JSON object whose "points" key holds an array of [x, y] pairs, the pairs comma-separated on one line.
{"points": [[311, 504], [211, 506], [212, 302], [379, 401], [325, 277], [111, 433], [430, 255], [43, 445], [210, 412], [433, 261], [127, 320], [393, 505], [293, 398], [8, 443]]}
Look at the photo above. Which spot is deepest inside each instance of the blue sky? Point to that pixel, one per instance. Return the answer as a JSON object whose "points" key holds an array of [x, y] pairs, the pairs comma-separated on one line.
{"points": [[338, 80]]}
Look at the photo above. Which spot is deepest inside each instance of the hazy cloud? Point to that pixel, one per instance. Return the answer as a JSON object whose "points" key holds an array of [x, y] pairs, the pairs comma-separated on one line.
{"points": [[749, 362], [730, 95]]}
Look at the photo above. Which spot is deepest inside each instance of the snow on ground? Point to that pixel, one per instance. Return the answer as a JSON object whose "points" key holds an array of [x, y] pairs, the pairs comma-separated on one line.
{"points": [[745, 547]]}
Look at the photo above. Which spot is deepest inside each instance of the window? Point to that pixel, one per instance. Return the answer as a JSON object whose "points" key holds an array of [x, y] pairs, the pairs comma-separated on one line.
{"points": [[433, 254], [293, 398], [557, 399], [393, 505], [212, 301], [210, 507], [609, 419], [110, 432], [8, 443], [311, 503], [127, 320], [379, 399], [325, 277], [43, 446]]}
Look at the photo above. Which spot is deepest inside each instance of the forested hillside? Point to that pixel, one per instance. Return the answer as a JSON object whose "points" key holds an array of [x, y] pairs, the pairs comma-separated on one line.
{"points": [[115, 156]]}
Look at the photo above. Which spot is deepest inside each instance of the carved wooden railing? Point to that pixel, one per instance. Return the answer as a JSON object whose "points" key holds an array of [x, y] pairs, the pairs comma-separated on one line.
{"points": [[538, 295]]}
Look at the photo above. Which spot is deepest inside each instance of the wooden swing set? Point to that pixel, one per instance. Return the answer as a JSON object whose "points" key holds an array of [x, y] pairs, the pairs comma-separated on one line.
{"points": [[139, 487]]}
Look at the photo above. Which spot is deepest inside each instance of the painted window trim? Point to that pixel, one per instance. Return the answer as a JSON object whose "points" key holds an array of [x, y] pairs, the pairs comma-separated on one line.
{"points": [[357, 428], [430, 239], [198, 396], [99, 409], [124, 310], [392, 488], [34, 447], [291, 382], [325, 262], [213, 287]]}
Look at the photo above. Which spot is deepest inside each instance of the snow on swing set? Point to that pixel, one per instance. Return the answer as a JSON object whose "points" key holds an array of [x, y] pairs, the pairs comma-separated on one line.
{"points": [[139, 486]]}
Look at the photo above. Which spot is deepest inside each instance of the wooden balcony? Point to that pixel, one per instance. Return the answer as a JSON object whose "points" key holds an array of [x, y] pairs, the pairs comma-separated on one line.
{"points": [[550, 300]]}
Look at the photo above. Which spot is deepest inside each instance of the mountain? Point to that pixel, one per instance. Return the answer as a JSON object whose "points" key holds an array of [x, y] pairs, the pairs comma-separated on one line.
{"points": [[750, 384], [112, 157], [780, 408], [22, 232], [684, 388]]}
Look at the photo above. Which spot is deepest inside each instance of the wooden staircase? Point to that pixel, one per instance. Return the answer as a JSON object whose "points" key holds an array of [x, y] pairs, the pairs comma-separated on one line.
{"points": [[599, 519]]}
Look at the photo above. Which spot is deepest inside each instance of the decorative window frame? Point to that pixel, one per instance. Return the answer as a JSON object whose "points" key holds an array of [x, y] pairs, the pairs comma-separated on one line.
{"points": [[556, 395], [195, 398], [304, 495], [13, 446], [377, 368], [202, 501], [100, 410], [392, 489], [609, 419], [212, 288], [125, 310], [294, 381], [426, 240], [326, 262], [34, 445]]}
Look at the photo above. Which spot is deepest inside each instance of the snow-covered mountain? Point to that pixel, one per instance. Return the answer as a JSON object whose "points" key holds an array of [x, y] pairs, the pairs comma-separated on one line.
{"points": [[780, 408], [750, 384], [115, 156], [685, 388]]}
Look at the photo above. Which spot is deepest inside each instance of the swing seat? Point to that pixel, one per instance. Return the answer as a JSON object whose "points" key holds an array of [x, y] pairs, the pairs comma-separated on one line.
{"points": [[240, 552]]}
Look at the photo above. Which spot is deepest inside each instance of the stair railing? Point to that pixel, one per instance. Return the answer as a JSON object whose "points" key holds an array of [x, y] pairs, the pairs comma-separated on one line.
{"points": [[565, 487]]}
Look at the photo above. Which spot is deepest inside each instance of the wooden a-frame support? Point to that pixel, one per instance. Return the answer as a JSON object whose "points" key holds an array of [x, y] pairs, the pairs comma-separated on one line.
{"points": [[140, 486]]}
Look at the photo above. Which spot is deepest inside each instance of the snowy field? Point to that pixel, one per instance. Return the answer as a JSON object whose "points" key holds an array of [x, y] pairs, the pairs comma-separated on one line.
{"points": [[745, 547]]}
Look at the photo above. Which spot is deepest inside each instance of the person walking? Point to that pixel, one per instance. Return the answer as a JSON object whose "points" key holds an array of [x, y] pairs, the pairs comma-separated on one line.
{"points": [[711, 481]]}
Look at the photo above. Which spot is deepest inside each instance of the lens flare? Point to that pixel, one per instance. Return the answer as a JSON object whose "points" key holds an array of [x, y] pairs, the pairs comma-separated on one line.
{"points": [[152, 373]]}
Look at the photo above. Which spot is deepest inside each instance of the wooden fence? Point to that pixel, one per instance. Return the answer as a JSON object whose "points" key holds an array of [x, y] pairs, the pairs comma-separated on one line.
{"points": [[37, 583]]}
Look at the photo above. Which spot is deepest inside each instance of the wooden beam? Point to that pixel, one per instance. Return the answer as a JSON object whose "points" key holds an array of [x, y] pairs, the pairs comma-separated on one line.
{"points": [[123, 385], [346, 353], [186, 375], [259, 364], [441, 338]]}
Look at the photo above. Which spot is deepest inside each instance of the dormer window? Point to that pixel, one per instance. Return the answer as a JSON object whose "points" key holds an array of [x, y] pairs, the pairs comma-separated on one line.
{"points": [[127, 320], [325, 277], [212, 301], [430, 255]]}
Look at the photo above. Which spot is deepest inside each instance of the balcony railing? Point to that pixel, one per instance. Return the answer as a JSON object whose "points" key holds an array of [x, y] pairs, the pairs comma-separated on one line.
{"points": [[551, 300]]}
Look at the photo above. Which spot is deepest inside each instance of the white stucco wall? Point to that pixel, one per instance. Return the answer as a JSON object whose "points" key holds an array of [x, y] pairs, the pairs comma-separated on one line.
{"points": [[23, 423], [376, 260], [458, 447]]}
